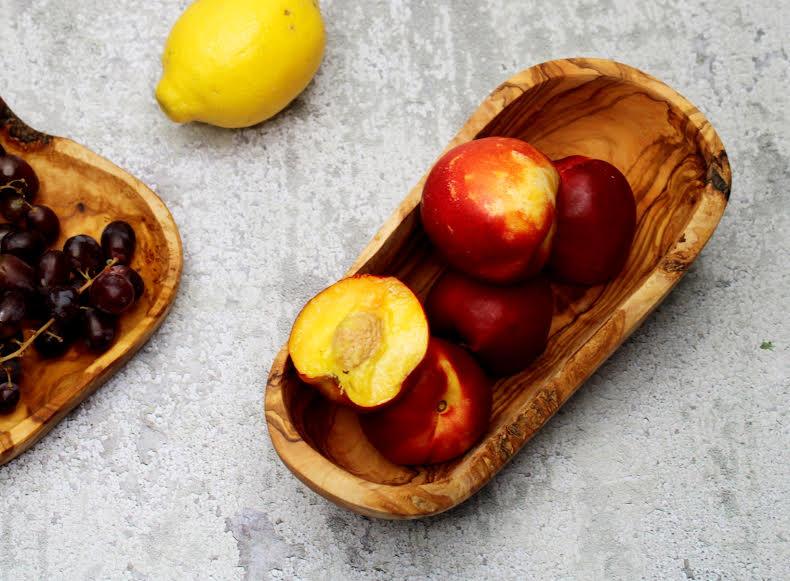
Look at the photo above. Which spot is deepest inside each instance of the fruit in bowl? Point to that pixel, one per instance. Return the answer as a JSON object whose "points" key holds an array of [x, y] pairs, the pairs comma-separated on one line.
{"points": [[358, 340], [497, 210], [505, 327], [443, 412], [488, 205], [596, 221], [50, 298], [570, 106]]}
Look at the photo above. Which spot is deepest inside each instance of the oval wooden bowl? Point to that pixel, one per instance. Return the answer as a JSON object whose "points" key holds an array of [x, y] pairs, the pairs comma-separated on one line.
{"points": [[87, 192], [679, 172]]}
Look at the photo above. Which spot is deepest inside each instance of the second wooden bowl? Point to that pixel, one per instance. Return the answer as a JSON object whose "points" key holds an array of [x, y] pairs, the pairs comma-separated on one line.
{"points": [[87, 192], [679, 172]]}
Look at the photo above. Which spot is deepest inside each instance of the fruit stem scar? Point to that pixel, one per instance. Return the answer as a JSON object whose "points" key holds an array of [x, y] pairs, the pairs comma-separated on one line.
{"points": [[441, 407], [356, 339]]}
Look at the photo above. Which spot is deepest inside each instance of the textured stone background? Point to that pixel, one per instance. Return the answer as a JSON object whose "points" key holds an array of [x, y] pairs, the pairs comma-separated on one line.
{"points": [[671, 463]]}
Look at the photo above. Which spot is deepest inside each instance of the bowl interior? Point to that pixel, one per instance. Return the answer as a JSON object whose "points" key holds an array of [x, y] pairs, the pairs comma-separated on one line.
{"points": [[651, 141], [87, 197]]}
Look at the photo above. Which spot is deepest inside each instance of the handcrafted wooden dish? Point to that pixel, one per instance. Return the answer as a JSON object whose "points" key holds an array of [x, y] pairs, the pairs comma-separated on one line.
{"points": [[679, 172], [87, 192]]}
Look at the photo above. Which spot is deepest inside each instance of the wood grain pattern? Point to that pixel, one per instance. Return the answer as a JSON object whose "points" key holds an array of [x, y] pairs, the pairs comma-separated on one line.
{"points": [[87, 192], [680, 175]]}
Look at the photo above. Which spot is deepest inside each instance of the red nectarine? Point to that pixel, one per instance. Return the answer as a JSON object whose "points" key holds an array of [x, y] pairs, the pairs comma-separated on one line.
{"points": [[506, 327], [596, 221], [445, 408], [488, 206]]}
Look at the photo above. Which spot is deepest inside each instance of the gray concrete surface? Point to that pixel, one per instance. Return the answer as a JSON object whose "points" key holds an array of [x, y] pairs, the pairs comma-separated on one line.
{"points": [[671, 463]]}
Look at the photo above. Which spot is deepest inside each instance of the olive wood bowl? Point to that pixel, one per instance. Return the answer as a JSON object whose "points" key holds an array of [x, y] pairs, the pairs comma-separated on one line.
{"points": [[680, 175], [87, 192]]}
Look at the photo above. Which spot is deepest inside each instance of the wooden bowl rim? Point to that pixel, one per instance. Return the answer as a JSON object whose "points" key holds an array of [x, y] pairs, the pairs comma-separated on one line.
{"points": [[30, 430], [349, 491]]}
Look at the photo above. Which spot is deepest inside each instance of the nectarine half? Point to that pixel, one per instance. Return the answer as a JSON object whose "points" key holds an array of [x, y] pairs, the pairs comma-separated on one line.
{"points": [[359, 339]]}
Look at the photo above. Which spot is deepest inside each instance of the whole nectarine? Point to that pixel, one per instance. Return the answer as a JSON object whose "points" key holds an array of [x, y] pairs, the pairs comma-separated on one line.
{"points": [[596, 221], [488, 206], [506, 327], [445, 408], [359, 339]]}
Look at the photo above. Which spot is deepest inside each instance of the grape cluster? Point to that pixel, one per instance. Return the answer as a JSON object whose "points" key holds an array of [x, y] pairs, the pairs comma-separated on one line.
{"points": [[51, 298]]}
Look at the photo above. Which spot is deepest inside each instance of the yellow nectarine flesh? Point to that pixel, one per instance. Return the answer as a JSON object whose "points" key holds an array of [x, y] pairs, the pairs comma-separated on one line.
{"points": [[359, 339]]}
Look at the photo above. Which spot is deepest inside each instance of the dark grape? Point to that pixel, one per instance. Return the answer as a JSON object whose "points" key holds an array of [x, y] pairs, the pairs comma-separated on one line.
{"points": [[12, 205], [84, 253], [17, 174], [9, 396], [63, 302], [11, 345], [43, 220], [16, 274], [99, 329], [85, 297], [36, 284], [37, 309], [13, 308], [26, 245], [112, 293], [118, 241], [133, 276], [11, 369], [54, 269], [6, 228], [55, 341]]}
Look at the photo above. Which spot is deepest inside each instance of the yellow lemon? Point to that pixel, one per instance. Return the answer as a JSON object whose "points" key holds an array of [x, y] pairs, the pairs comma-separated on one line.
{"points": [[235, 63]]}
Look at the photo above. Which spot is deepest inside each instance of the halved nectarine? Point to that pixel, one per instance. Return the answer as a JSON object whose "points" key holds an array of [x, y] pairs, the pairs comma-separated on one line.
{"points": [[358, 340], [444, 410]]}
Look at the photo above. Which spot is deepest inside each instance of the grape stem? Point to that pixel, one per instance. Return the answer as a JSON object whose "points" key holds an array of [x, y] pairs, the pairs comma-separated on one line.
{"points": [[17, 190], [43, 329], [19, 352]]}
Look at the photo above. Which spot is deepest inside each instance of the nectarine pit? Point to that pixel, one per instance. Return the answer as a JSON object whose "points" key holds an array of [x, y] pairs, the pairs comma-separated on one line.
{"points": [[356, 339]]}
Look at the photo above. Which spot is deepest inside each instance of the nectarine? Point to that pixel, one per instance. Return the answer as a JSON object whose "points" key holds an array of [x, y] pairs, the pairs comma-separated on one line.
{"points": [[359, 339], [596, 221], [445, 408], [488, 206], [506, 327]]}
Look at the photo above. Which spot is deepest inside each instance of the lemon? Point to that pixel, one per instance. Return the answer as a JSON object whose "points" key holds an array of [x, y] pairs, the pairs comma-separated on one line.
{"points": [[235, 63]]}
